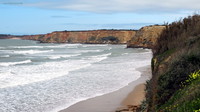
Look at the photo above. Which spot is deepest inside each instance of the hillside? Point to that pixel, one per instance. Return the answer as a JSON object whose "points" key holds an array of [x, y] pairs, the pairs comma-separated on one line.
{"points": [[92, 36], [175, 83], [146, 37], [5, 36]]}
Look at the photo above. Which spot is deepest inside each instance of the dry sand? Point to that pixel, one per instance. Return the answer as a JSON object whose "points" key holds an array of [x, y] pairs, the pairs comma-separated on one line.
{"points": [[135, 97], [132, 94]]}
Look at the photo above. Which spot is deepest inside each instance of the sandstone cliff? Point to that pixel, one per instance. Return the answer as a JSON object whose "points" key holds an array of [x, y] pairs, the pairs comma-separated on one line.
{"points": [[146, 37], [175, 83], [93, 37]]}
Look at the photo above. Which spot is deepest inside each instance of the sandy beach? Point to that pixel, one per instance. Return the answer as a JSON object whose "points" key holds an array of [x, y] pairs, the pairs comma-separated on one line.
{"points": [[131, 94]]}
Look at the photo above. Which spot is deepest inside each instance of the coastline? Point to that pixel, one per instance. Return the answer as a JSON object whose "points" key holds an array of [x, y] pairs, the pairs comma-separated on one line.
{"points": [[115, 100]]}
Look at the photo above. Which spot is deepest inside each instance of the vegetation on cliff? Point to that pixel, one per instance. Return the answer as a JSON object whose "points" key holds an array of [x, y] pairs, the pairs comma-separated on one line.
{"points": [[90, 37], [4, 36], [175, 84]]}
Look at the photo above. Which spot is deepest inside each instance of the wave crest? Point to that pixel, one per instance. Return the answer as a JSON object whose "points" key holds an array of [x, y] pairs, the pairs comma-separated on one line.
{"points": [[32, 51], [15, 63]]}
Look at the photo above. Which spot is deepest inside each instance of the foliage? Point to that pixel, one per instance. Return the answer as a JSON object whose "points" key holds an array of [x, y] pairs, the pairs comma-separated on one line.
{"points": [[70, 40], [177, 33], [48, 39], [175, 63], [169, 82], [186, 99], [40, 37], [92, 38], [110, 38]]}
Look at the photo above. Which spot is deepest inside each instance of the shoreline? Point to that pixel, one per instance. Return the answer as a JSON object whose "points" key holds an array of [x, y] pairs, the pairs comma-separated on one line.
{"points": [[115, 100]]}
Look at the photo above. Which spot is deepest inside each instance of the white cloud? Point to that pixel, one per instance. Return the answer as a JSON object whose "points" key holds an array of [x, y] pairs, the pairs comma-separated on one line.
{"points": [[111, 6]]}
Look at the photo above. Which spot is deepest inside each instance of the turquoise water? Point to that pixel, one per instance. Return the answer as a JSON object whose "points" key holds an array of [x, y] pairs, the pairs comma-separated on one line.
{"points": [[38, 77]]}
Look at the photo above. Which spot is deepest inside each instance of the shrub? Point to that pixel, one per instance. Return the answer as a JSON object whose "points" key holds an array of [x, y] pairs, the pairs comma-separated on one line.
{"points": [[110, 38], [92, 38], [176, 56], [176, 33], [178, 72], [186, 99]]}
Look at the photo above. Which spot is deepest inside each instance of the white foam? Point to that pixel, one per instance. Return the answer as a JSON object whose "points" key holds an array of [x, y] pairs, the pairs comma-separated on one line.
{"points": [[62, 56], [110, 48], [125, 54], [144, 53], [44, 86], [26, 47], [6, 51], [63, 46], [95, 45], [35, 73], [32, 51], [15, 63], [5, 56], [4, 75], [107, 74], [88, 51], [49, 46], [99, 58]]}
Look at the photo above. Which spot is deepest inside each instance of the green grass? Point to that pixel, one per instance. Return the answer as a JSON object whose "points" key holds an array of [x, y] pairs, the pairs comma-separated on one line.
{"points": [[167, 53], [161, 58], [176, 56], [186, 99]]}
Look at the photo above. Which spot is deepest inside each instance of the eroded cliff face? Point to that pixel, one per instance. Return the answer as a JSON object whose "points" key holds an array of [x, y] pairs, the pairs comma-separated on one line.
{"points": [[175, 83], [146, 37], [93, 37]]}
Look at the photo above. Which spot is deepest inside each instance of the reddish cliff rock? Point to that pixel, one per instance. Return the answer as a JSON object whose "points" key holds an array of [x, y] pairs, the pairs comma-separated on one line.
{"points": [[93, 37], [146, 37]]}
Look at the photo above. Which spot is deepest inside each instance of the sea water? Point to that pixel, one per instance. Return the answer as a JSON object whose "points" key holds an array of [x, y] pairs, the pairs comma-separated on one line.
{"points": [[37, 77]]}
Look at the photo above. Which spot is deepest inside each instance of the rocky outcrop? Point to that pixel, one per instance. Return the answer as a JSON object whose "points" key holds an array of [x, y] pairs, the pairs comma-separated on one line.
{"points": [[146, 37], [92, 37]]}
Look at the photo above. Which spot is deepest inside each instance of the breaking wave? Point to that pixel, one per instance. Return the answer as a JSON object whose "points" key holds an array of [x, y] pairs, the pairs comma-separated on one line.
{"points": [[15, 63]]}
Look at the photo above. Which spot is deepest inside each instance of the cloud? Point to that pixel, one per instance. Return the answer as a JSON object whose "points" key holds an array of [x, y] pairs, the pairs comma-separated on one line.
{"points": [[112, 6]]}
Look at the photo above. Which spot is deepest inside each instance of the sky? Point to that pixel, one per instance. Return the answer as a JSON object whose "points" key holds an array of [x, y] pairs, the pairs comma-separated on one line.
{"points": [[26, 17]]}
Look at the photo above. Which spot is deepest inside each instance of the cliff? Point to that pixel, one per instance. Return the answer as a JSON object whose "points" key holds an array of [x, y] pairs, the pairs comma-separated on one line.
{"points": [[5, 36], [146, 37], [93, 37], [175, 83]]}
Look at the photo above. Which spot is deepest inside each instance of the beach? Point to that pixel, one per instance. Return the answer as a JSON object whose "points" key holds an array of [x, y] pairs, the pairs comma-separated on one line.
{"points": [[131, 94], [53, 77]]}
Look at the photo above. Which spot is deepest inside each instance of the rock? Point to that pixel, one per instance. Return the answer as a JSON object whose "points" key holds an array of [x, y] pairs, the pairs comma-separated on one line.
{"points": [[91, 37], [128, 108], [146, 37]]}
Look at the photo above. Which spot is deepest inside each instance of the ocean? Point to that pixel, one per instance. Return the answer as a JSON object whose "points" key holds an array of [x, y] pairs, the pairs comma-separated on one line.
{"points": [[48, 77]]}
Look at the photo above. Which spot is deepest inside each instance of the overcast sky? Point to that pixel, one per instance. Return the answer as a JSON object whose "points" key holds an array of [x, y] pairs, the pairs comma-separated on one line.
{"points": [[44, 16]]}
